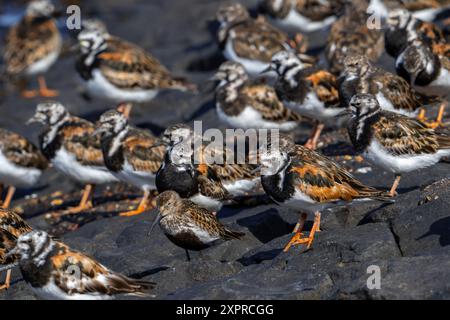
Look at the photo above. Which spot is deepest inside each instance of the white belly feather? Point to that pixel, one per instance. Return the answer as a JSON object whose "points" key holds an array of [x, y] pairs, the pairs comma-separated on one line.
{"points": [[67, 164], [100, 87], [18, 176]]}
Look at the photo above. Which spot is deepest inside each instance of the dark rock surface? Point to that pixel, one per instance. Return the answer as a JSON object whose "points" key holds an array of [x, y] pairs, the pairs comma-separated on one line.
{"points": [[408, 240]]}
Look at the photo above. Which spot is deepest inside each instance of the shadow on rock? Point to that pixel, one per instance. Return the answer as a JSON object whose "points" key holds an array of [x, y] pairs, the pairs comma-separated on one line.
{"points": [[442, 229]]}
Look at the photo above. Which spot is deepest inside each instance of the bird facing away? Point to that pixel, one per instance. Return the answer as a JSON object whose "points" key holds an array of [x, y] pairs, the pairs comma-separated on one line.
{"points": [[301, 15], [252, 42], [69, 144], [56, 272], [303, 180], [33, 45], [21, 163], [350, 35], [132, 155], [189, 226], [11, 227], [392, 141]]}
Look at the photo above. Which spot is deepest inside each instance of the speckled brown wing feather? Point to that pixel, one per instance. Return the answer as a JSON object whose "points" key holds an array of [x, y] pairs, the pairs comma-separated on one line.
{"points": [[406, 136], [191, 213], [210, 186], [128, 66], [395, 89], [417, 5], [79, 140], [138, 151], [269, 40], [325, 86], [264, 99], [20, 151], [11, 227], [28, 42], [227, 171], [317, 10], [325, 181], [89, 275]]}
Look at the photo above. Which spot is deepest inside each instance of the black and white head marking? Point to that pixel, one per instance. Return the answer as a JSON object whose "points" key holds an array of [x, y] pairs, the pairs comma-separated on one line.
{"points": [[35, 246], [52, 114], [40, 8], [363, 108], [286, 64], [91, 42], [231, 75], [113, 123]]}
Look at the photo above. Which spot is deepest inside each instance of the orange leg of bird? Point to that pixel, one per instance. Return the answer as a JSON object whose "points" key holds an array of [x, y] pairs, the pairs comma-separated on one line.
{"points": [[438, 122], [143, 206], [5, 286], [314, 229], [85, 202], [421, 115], [395, 185], [314, 138], [44, 91], [9, 196], [297, 238]]}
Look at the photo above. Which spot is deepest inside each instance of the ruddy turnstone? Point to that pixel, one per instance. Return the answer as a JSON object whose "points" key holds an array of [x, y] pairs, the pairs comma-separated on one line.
{"points": [[303, 15], [33, 45], [304, 180], [396, 143], [350, 35], [188, 225], [21, 163], [402, 26], [426, 10], [427, 71], [130, 154], [310, 91], [69, 144], [56, 272], [243, 103], [180, 172], [252, 42], [118, 70], [392, 92], [236, 177], [11, 227]]}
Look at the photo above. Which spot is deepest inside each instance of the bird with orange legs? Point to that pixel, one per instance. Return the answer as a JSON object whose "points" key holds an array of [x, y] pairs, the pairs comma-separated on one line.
{"points": [[21, 163], [70, 145], [392, 141], [298, 178], [130, 155], [33, 45]]}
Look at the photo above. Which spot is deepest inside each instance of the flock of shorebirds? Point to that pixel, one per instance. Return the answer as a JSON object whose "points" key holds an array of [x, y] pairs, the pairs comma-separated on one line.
{"points": [[269, 81]]}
